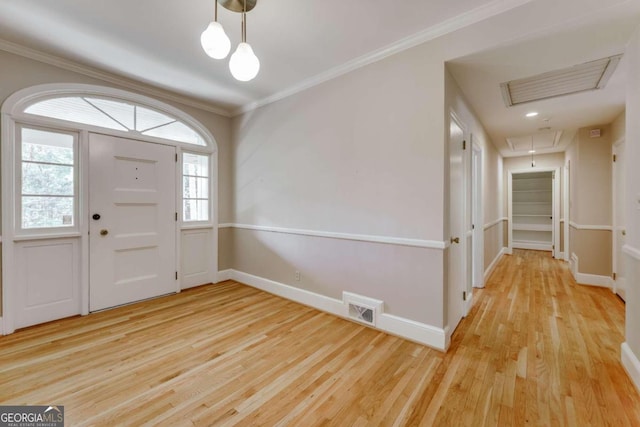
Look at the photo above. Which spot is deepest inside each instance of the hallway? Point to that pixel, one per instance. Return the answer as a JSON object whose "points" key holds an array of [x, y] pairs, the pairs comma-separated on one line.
{"points": [[536, 349]]}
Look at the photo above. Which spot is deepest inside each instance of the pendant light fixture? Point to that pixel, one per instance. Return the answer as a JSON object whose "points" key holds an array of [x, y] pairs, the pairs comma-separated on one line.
{"points": [[244, 64], [214, 40]]}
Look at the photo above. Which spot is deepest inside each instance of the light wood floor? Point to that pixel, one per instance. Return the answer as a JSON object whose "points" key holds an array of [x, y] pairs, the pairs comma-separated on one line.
{"points": [[536, 349]]}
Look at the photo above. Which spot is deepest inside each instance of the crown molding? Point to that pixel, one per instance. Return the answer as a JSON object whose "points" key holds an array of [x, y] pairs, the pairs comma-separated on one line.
{"points": [[88, 71], [468, 18], [496, 7]]}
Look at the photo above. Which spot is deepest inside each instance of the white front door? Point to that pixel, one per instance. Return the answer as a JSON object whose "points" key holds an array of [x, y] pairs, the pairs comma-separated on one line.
{"points": [[132, 221], [619, 221], [457, 254]]}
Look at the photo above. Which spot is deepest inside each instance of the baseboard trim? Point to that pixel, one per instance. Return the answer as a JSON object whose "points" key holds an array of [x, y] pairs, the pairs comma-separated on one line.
{"points": [[588, 279], [594, 280], [302, 296], [414, 331], [405, 328], [532, 246], [631, 364], [494, 263], [224, 275]]}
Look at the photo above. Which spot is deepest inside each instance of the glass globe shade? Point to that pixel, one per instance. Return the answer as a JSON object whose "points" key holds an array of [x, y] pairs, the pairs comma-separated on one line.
{"points": [[215, 41], [244, 64]]}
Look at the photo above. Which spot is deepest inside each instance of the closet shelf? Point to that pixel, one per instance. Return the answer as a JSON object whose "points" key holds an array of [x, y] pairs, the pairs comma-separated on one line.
{"points": [[532, 203], [532, 227], [532, 211]]}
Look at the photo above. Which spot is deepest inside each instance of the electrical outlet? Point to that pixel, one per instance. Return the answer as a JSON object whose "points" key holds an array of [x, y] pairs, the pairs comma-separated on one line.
{"points": [[297, 276]]}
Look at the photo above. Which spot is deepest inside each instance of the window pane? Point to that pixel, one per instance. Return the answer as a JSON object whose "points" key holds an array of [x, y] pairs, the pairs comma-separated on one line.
{"points": [[195, 164], [120, 115], [50, 180], [177, 132], [195, 188], [196, 210], [146, 119], [120, 111], [50, 147], [42, 212], [73, 109]]}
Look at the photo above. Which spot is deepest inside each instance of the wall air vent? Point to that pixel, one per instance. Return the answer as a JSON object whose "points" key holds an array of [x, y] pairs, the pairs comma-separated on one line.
{"points": [[362, 309], [579, 78], [361, 313]]}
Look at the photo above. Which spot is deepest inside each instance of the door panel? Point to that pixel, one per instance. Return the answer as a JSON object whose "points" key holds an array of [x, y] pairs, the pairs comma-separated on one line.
{"points": [[457, 267], [619, 220], [132, 247]]}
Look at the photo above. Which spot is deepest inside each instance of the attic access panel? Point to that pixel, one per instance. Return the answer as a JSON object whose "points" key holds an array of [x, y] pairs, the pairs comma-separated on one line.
{"points": [[578, 78]]}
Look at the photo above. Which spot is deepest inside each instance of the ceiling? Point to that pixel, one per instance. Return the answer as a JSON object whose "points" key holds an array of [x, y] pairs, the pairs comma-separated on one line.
{"points": [[158, 42], [479, 75], [301, 43]]}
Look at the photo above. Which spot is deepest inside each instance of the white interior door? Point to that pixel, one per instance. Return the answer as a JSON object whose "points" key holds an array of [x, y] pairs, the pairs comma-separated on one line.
{"points": [[132, 231], [620, 223], [457, 253], [478, 218]]}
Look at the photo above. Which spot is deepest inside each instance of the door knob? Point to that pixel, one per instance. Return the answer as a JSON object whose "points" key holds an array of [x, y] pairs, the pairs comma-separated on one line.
{"points": [[624, 232], [104, 232], [455, 240]]}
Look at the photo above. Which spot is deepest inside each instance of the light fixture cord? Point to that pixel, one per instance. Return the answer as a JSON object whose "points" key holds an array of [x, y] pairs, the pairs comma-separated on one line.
{"points": [[532, 162], [244, 22], [215, 13]]}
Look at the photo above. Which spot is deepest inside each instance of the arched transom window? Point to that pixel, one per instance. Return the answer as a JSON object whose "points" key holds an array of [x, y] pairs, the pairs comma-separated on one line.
{"points": [[118, 115]]}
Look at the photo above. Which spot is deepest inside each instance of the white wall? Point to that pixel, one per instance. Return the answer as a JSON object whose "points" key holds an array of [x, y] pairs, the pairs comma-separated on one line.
{"points": [[633, 204]]}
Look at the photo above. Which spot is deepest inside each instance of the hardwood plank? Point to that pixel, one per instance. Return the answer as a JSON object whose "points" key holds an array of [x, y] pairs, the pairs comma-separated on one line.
{"points": [[535, 349]]}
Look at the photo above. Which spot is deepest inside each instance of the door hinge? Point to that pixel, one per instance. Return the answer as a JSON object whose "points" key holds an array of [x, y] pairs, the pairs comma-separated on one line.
{"points": [[176, 157], [176, 275], [464, 145], [614, 157], [464, 295], [553, 247], [176, 216], [473, 226], [614, 276]]}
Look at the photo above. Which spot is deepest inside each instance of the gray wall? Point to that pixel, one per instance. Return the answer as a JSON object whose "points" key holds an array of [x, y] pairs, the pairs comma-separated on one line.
{"points": [[360, 154]]}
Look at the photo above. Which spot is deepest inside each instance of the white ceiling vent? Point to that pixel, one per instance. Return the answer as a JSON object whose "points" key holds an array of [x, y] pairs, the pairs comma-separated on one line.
{"points": [[539, 141], [579, 78]]}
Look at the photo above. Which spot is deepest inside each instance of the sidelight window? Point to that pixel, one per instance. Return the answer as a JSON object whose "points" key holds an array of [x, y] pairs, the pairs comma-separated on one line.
{"points": [[195, 187], [47, 179]]}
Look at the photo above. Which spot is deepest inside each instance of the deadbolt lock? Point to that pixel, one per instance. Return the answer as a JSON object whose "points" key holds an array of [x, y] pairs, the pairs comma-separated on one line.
{"points": [[455, 240], [104, 232]]}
